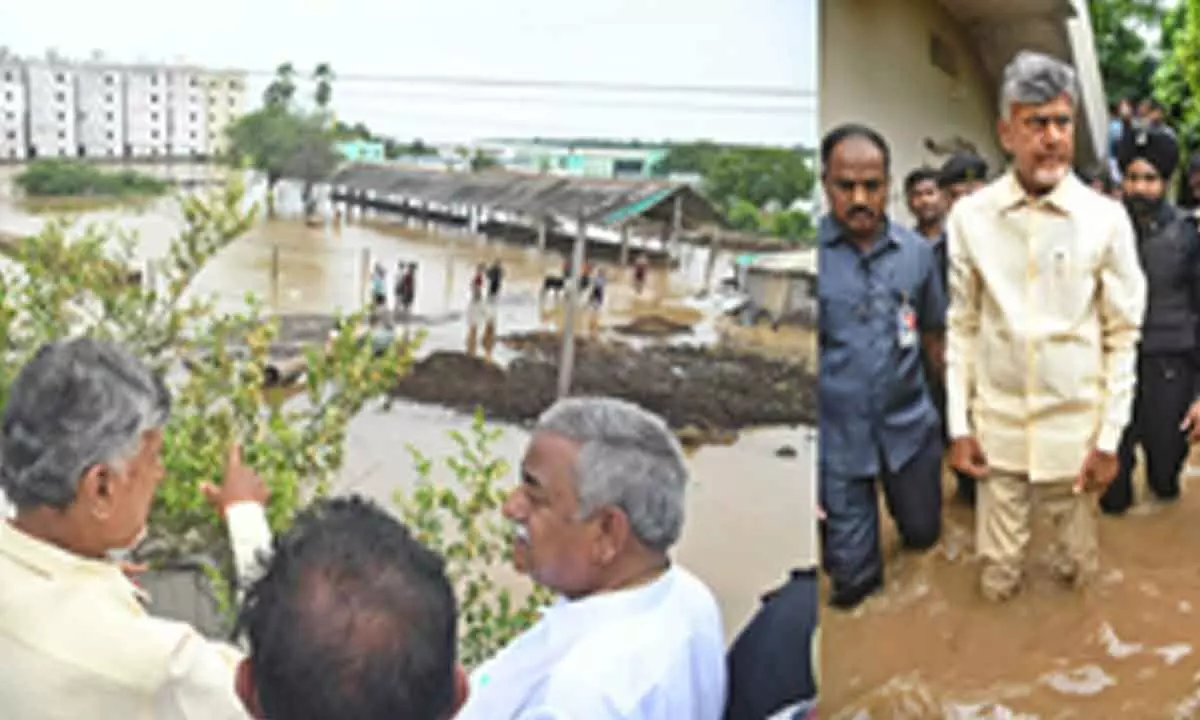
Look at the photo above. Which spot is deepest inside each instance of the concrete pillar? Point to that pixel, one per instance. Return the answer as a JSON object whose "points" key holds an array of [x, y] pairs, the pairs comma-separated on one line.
{"points": [[543, 232], [624, 245]]}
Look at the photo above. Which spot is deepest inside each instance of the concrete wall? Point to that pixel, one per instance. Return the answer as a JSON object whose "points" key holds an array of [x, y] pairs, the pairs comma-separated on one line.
{"points": [[100, 95], [891, 83], [187, 116], [52, 109], [225, 102], [146, 111], [12, 111]]}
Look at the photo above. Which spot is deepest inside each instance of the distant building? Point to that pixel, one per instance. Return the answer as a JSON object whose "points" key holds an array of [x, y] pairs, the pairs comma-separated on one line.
{"points": [[100, 95], [783, 284], [13, 141], [362, 150], [51, 108], [187, 113], [225, 102], [146, 111], [594, 161]]}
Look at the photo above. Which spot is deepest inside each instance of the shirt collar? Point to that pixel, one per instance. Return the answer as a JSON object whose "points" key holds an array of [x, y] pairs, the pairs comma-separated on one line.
{"points": [[1061, 199], [575, 616], [830, 232], [51, 561]]}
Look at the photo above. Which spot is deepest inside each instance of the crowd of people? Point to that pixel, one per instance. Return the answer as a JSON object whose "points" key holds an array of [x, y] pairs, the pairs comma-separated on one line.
{"points": [[1029, 333], [346, 615]]}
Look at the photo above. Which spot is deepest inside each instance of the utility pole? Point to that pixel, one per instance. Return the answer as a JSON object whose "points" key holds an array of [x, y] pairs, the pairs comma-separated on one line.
{"points": [[566, 362]]}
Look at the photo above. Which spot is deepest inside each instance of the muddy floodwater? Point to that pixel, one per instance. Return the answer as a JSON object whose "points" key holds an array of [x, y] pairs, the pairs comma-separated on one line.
{"points": [[1127, 648], [751, 512]]}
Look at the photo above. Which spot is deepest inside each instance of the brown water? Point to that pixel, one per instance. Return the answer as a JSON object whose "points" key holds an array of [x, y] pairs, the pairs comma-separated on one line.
{"points": [[1124, 648], [750, 512]]}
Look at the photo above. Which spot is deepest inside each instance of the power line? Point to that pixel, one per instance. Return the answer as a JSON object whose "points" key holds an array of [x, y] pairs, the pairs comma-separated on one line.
{"points": [[590, 86], [577, 102]]}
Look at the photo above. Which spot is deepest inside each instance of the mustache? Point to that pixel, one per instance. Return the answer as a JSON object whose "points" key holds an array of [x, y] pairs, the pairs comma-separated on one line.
{"points": [[861, 210]]}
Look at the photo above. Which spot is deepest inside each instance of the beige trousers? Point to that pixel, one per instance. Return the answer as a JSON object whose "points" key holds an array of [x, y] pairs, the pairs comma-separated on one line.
{"points": [[1005, 513]]}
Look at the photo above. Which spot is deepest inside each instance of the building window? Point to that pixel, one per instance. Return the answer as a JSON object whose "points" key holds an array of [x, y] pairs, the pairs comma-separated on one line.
{"points": [[8, 76], [153, 117], [110, 117], [60, 97], [192, 117], [232, 101], [154, 98], [62, 117], [153, 134], [212, 118], [60, 78], [108, 80], [108, 98], [8, 96], [11, 134], [110, 135], [154, 80], [62, 134], [192, 134], [193, 82]]}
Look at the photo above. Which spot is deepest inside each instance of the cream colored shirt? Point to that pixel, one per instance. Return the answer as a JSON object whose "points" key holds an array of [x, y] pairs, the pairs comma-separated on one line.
{"points": [[76, 642], [1046, 304]]}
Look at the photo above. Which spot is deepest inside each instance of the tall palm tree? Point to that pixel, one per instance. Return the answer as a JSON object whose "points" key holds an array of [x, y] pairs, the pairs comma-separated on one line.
{"points": [[323, 75], [282, 89]]}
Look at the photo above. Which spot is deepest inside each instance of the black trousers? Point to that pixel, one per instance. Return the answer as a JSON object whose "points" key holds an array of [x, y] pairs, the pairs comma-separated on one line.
{"points": [[850, 534], [937, 392], [1165, 391]]}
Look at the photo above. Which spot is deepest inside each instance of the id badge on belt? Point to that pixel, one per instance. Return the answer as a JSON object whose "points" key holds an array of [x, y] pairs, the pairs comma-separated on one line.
{"points": [[906, 324]]}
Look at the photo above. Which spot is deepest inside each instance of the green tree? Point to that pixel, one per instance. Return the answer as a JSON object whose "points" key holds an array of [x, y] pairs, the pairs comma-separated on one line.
{"points": [[282, 90], [75, 281], [743, 215], [1127, 59], [793, 225], [323, 76], [284, 143], [1177, 79], [481, 161]]}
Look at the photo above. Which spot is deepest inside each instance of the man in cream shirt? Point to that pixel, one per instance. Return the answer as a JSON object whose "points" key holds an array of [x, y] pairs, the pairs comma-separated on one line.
{"points": [[1046, 303], [80, 459], [599, 505]]}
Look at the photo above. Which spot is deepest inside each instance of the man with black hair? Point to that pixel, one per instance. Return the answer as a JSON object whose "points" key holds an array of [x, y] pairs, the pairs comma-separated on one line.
{"points": [[926, 202], [881, 307], [353, 618], [1169, 252]]}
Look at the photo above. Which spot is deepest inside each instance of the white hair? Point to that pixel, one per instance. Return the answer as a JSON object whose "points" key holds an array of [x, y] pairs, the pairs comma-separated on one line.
{"points": [[628, 458], [1034, 78]]}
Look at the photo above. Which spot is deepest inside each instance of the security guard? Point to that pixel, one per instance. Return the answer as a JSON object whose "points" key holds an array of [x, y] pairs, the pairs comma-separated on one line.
{"points": [[881, 301], [1169, 250], [962, 174]]}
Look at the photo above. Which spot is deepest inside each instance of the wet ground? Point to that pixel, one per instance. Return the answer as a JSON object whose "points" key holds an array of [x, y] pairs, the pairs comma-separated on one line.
{"points": [[1126, 648], [751, 512]]}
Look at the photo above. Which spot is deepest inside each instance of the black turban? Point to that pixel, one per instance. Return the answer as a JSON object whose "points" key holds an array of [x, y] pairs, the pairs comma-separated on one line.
{"points": [[1156, 145], [962, 167]]}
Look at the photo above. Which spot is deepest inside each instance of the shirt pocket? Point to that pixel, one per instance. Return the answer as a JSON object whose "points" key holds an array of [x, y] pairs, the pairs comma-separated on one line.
{"points": [[1065, 283]]}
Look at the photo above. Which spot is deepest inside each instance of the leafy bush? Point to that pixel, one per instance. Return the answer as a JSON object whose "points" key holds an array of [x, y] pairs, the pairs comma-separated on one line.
{"points": [[462, 521], [77, 283], [69, 178]]}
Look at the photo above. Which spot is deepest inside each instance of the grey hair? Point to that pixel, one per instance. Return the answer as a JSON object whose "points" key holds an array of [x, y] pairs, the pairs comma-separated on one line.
{"points": [[75, 404], [1034, 78], [629, 459]]}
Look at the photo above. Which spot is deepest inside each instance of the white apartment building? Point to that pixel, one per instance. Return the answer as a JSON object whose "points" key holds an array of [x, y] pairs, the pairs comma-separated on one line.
{"points": [[100, 95], [13, 142], [226, 101], [187, 116], [52, 111], [146, 109]]}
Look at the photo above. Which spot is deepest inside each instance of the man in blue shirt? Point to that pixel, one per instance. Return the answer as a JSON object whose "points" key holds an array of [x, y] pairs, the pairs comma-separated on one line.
{"points": [[881, 305]]}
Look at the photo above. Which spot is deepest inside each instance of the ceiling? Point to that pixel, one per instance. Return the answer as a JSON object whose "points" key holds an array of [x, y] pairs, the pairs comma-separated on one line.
{"points": [[1001, 28]]}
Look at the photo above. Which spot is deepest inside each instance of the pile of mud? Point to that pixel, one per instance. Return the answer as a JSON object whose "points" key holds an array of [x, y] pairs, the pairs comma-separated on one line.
{"points": [[710, 389]]}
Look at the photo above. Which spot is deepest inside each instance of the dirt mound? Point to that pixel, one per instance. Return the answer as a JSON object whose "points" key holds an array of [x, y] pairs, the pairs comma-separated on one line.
{"points": [[653, 326], [691, 387]]}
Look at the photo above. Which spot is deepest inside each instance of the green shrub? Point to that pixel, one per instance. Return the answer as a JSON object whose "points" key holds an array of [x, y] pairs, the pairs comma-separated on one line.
{"points": [[462, 521], [71, 178]]}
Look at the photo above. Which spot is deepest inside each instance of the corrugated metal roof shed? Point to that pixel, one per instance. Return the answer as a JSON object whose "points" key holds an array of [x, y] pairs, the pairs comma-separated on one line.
{"points": [[604, 202], [798, 262]]}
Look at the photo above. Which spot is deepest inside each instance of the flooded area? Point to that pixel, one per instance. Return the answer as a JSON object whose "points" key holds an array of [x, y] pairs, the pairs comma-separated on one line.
{"points": [[1125, 648], [751, 508]]}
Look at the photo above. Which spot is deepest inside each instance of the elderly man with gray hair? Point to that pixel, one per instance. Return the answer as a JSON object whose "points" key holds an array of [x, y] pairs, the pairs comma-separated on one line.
{"points": [[1046, 303], [80, 459], [599, 505]]}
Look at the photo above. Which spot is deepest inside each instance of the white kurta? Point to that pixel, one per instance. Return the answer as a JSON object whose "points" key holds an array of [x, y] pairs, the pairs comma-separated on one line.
{"points": [[647, 653]]}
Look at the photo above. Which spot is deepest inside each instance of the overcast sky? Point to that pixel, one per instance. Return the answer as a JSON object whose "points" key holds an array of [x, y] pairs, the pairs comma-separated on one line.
{"points": [[736, 43]]}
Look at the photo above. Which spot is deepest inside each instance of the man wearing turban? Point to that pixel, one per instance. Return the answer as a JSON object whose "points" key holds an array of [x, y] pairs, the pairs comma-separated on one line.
{"points": [[1169, 252]]}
